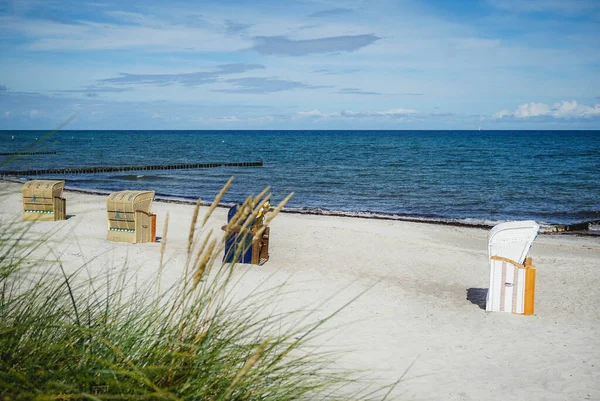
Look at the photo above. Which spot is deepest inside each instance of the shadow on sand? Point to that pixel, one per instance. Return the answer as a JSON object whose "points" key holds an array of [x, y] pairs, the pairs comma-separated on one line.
{"points": [[477, 296]]}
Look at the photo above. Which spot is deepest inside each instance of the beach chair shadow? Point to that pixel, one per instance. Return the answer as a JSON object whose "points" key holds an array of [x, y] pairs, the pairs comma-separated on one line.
{"points": [[477, 296]]}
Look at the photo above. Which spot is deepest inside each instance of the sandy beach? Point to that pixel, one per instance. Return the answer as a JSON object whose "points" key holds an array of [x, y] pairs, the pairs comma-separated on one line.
{"points": [[415, 310]]}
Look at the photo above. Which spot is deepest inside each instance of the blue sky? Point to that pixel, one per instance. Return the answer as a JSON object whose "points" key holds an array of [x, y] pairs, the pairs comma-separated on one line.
{"points": [[323, 64]]}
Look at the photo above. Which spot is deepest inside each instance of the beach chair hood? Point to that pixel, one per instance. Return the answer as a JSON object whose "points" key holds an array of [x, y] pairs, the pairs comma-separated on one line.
{"points": [[513, 239]]}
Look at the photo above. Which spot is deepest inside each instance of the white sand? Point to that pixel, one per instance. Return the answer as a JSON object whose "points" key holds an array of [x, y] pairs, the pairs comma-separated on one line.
{"points": [[417, 310]]}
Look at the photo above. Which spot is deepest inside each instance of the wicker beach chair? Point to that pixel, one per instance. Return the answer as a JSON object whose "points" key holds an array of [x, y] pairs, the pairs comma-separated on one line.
{"points": [[240, 243], [43, 201], [129, 217], [512, 276]]}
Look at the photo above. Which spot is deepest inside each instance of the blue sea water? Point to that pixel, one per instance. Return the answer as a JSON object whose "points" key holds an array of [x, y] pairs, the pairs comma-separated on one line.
{"points": [[472, 177]]}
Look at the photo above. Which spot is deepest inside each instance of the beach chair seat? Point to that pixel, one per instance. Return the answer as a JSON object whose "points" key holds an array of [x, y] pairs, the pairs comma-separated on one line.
{"points": [[512, 276]]}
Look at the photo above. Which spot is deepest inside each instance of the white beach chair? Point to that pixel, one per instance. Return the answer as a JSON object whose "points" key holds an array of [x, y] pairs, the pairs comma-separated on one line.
{"points": [[508, 245]]}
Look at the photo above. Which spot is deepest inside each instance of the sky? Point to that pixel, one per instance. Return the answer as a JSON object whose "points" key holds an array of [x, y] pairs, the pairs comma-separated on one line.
{"points": [[321, 64]]}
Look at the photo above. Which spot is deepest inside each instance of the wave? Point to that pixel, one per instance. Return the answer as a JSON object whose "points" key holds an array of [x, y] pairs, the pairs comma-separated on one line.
{"points": [[136, 177], [586, 227]]}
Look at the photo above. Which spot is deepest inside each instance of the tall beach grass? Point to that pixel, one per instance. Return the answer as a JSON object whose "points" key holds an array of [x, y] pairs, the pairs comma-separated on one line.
{"points": [[65, 336]]}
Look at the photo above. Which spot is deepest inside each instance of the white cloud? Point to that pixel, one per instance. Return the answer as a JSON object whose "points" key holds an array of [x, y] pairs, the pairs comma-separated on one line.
{"points": [[128, 16], [388, 113], [564, 109], [87, 35], [312, 113], [568, 7], [282, 46], [393, 113], [572, 109], [224, 119]]}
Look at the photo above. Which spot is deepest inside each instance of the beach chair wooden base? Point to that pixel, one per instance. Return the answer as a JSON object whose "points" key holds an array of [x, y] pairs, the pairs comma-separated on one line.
{"points": [[512, 286], [262, 251]]}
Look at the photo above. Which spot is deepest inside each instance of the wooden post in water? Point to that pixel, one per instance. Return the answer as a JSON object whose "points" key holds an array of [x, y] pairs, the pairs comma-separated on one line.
{"points": [[120, 169]]}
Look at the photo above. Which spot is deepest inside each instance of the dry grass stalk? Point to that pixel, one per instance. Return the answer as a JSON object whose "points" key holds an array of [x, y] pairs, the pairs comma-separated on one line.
{"points": [[247, 366], [258, 235], [202, 246], [206, 257], [262, 194], [215, 202], [239, 216], [252, 216], [191, 237], [163, 241], [193, 226], [278, 209]]}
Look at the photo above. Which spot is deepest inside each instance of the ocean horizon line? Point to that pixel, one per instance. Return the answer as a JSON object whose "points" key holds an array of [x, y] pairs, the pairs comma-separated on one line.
{"points": [[299, 130]]}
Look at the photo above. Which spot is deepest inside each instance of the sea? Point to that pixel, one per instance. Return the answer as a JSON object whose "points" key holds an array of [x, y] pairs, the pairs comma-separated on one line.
{"points": [[454, 177]]}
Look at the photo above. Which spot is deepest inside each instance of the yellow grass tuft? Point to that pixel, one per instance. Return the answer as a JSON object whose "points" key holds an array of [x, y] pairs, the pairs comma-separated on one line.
{"points": [[206, 257], [276, 211], [247, 366], [216, 201], [193, 226], [163, 241]]}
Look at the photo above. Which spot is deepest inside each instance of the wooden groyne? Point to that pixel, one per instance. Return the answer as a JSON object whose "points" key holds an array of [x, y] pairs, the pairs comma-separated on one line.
{"points": [[50, 152], [119, 169]]}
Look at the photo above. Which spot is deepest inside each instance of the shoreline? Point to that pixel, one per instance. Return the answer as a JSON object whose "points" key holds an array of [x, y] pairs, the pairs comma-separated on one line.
{"points": [[575, 229]]}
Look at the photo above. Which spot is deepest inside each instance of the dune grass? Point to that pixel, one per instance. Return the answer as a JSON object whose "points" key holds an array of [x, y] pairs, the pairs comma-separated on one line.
{"points": [[64, 336]]}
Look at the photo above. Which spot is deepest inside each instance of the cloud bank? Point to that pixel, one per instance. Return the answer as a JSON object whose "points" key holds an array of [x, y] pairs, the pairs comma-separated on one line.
{"points": [[334, 12], [392, 113], [187, 79], [356, 91], [560, 110], [325, 71], [259, 85], [282, 46], [94, 90], [233, 27], [568, 7]]}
